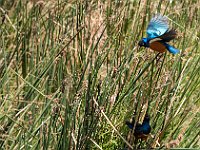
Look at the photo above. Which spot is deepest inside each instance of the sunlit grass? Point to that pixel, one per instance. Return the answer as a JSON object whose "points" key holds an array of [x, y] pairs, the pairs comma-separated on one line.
{"points": [[72, 74]]}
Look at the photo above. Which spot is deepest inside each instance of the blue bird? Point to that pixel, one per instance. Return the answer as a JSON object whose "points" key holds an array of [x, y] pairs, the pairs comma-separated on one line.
{"points": [[158, 34], [141, 131]]}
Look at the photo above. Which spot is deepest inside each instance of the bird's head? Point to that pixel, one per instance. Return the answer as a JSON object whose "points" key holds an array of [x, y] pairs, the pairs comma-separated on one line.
{"points": [[143, 42], [146, 118]]}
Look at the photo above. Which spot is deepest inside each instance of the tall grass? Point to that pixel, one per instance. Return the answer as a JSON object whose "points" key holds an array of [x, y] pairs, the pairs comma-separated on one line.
{"points": [[72, 74]]}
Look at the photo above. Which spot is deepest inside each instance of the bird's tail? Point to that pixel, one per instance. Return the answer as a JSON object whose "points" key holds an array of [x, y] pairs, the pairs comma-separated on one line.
{"points": [[171, 49]]}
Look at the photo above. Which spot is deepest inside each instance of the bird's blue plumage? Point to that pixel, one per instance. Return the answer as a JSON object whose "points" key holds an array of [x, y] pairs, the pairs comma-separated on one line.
{"points": [[157, 26], [171, 49], [143, 129], [158, 34], [140, 129], [130, 125]]}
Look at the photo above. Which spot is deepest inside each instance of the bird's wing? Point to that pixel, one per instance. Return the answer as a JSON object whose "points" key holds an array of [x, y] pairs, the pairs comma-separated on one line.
{"points": [[157, 26], [169, 35], [129, 124]]}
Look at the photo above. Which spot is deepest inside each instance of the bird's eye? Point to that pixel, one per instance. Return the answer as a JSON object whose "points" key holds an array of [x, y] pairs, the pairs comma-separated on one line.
{"points": [[141, 43]]}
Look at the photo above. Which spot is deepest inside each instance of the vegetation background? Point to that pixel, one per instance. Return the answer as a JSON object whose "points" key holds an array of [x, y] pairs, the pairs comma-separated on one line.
{"points": [[72, 74]]}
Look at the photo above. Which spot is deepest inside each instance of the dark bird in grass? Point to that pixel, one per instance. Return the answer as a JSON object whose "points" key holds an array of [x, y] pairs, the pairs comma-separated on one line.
{"points": [[158, 35], [141, 131]]}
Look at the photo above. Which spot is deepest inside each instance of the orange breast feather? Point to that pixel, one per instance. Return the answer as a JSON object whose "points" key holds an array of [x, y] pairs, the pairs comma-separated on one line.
{"points": [[157, 46]]}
